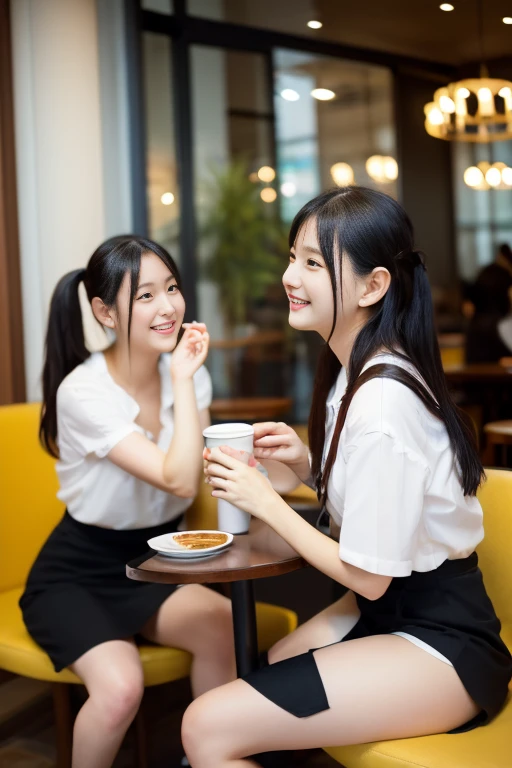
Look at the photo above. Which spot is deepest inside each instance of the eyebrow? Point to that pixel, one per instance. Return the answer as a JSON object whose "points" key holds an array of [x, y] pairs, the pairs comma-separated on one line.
{"points": [[149, 285], [309, 249]]}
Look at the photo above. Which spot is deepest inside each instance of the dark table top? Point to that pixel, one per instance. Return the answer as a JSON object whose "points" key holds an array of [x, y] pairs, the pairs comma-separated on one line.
{"points": [[260, 553]]}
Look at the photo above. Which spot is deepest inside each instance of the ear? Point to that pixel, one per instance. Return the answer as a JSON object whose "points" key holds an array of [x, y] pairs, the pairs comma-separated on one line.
{"points": [[375, 287], [102, 313]]}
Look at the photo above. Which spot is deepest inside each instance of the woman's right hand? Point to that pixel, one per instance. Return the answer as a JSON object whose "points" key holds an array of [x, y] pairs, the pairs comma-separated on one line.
{"points": [[190, 352], [279, 442]]}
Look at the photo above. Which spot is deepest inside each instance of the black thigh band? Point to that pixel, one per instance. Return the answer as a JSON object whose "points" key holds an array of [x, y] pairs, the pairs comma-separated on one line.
{"points": [[294, 685]]}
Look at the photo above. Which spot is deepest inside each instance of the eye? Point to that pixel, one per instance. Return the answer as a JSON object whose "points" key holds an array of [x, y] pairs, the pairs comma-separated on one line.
{"points": [[144, 296], [292, 256], [173, 288], [313, 263]]}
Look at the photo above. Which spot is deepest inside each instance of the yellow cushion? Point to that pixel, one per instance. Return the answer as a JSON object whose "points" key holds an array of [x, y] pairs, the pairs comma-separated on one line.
{"points": [[30, 508], [489, 746], [21, 655], [485, 747]]}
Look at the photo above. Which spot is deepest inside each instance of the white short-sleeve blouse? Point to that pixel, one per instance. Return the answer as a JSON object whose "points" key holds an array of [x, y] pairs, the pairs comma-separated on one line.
{"points": [[93, 415], [394, 487]]}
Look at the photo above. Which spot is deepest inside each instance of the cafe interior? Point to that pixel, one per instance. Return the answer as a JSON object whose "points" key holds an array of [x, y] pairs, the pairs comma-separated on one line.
{"points": [[206, 125]]}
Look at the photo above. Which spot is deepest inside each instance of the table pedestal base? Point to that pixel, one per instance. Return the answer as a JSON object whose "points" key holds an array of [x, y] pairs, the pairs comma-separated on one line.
{"points": [[244, 625]]}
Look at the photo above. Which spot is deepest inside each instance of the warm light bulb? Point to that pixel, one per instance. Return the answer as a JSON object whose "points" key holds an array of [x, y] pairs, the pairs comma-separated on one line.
{"points": [[266, 174], [473, 176], [506, 176], [390, 168], [435, 116], [447, 7], [493, 177], [290, 95], [342, 174], [268, 194], [463, 93], [167, 198], [288, 189], [505, 92], [507, 19], [447, 104], [323, 94], [315, 24]]}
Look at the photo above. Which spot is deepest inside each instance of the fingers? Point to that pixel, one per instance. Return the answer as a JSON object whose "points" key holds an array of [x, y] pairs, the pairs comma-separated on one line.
{"points": [[262, 428], [272, 441], [195, 325], [216, 456]]}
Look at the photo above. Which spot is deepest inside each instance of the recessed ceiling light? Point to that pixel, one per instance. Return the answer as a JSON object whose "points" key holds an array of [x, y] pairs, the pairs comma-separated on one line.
{"points": [[507, 19], [323, 94], [167, 198], [289, 94], [315, 24], [447, 7]]}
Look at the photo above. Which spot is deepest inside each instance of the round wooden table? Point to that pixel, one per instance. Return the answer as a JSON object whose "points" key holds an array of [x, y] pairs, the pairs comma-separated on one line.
{"points": [[255, 555]]}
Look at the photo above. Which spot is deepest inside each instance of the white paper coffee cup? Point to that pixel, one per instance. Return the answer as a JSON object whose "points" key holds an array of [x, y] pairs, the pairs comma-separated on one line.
{"points": [[240, 437]]}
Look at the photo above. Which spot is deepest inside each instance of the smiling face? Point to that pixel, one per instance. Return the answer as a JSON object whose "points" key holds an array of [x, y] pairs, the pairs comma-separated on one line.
{"points": [[307, 282], [157, 310]]}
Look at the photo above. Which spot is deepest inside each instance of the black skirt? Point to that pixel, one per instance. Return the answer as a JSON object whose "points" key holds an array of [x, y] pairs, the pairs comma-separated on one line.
{"points": [[78, 595], [447, 608]]}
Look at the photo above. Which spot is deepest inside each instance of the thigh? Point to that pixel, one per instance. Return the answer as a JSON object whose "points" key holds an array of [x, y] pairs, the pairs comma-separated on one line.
{"points": [[380, 687], [187, 616], [328, 626], [110, 665]]}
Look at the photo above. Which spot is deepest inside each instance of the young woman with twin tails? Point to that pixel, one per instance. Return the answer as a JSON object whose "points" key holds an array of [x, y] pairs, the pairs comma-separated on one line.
{"points": [[413, 647], [126, 426]]}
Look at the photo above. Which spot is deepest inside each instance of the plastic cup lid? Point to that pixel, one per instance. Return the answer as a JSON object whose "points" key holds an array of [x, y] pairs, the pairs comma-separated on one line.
{"points": [[229, 430]]}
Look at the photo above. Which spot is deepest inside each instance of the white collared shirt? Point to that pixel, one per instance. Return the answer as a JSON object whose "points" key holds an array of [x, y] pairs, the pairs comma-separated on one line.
{"points": [[394, 487], [93, 415]]}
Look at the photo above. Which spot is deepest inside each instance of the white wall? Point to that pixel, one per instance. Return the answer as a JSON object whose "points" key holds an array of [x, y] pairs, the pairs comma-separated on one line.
{"points": [[64, 165]]}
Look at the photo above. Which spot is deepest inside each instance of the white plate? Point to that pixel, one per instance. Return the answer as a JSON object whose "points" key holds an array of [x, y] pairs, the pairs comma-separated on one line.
{"points": [[167, 546]]}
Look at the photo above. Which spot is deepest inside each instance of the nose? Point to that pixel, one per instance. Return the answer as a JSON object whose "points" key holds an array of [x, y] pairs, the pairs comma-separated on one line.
{"points": [[291, 278], [166, 305]]}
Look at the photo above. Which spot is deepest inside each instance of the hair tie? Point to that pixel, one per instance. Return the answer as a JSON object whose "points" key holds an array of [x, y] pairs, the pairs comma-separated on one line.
{"points": [[415, 258]]}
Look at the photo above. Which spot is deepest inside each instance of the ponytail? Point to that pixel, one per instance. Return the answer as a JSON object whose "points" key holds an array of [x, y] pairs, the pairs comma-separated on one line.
{"points": [[64, 350]]}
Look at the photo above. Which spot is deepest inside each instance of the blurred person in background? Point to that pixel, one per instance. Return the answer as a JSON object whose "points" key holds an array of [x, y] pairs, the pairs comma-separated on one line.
{"points": [[489, 333]]}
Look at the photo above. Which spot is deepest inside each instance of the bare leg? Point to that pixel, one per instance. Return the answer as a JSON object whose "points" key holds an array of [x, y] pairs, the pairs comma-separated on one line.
{"points": [[197, 620], [328, 626], [112, 674], [381, 687]]}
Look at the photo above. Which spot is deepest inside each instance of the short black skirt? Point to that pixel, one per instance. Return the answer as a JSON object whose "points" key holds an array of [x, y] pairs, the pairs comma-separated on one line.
{"points": [[447, 608], [78, 595]]}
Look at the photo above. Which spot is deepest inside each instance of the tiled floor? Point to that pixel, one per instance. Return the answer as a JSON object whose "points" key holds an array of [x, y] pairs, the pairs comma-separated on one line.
{"points": [[32, 744]]}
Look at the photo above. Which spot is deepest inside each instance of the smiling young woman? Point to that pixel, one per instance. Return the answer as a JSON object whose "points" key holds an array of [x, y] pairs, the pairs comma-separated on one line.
{"points": [[126, 426], [413, 647]]}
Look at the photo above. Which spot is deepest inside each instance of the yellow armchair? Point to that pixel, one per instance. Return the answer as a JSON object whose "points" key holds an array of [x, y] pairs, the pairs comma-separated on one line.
{"points": [[490, 745], [30, 510]]}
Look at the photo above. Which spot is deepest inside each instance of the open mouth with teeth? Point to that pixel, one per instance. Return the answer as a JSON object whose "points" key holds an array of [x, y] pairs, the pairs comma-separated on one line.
{"points": [[296, 303], [164, 328]]}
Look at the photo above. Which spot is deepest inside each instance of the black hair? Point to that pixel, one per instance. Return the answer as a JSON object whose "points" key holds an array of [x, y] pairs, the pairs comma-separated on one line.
{"points": [[65, 342], [372, 230]]}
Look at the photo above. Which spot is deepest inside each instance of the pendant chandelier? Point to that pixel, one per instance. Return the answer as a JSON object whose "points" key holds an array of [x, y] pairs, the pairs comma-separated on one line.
{"points": [[483, 176], [476, 109]]}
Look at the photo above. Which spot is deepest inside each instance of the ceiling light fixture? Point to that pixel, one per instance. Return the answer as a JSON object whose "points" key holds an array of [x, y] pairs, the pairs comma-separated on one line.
{"points": [[485, 176], [323, 94], [447, 7], [507, 19], [382, 168], [268, 194], [288, 94], [477, 109], [315, 24], [167, 198]]}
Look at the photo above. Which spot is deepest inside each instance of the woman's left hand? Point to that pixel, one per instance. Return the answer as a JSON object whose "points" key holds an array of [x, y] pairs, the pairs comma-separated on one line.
{"points": [[238, 482]]}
